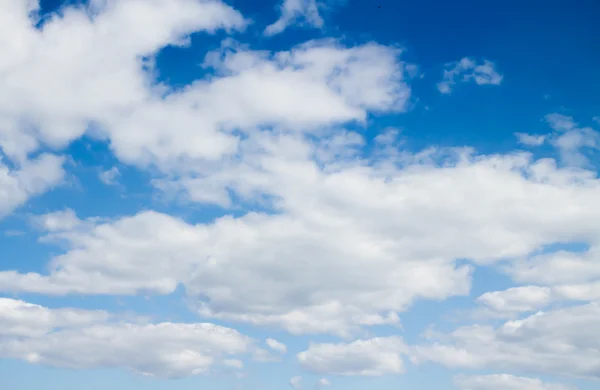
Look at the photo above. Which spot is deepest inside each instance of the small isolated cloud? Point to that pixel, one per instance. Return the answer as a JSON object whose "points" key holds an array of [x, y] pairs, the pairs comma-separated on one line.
{"points": [[109, 176], [468, 70], [505, 382], [58, 221], [530, 139], [296, 382], [323, 382], [276, 346], [560, 122], [305, 12]]}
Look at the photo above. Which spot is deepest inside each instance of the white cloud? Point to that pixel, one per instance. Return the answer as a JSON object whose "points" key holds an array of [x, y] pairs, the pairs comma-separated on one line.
{"points": [[558, 267], [81, 339], [28, 179], [516, 300], [163, 350], [530, 139], [505, 382], [314, 85], [373, 357], [296, 382], [323, 382], [557, 342], [58, 221], [109, 176], [305, 12], [560, 122], [468, 70], [22, 319], [85, 66], [571, 139], [276, 346], [579, 292], [345, 219]]}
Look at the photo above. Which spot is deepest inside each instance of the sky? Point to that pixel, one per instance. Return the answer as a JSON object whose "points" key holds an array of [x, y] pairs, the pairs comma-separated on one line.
{"points": [[299, 194]]}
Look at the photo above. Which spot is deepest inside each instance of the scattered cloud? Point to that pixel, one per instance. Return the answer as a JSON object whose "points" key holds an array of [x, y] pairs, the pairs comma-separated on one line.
{"points": [[560, 122], [276, 346], [530, 139], [505, 382], [23, 319], [304, 12], [81, 339], [373, 357], [556, 342], [28, 179], [469, 70], [516, 299], [109, 177]]}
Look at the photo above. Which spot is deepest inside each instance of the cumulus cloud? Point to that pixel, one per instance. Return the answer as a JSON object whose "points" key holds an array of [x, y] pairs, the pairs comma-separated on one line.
{"points": [[23, 319], [556, 342], [28, 179], [85, 66], [305, 12], [338, 230], [505, 382], [81, 339], [469, 70], [373, 357], [516, 300]]}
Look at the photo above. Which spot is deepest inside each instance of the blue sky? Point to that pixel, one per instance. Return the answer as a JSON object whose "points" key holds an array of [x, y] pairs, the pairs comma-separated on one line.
{"points": [[299, 194]]}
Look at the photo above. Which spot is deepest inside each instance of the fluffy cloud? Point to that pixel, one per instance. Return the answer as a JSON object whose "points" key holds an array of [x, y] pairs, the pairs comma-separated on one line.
{"points": [[350, 244], [74, 75], [505, 382], [294, 11], [373, 357], [516, 300], [557, 342], [571, 139], [81, 339], [276, 346], [22, 319], [85, 66], [28, 179], [468, 70]]}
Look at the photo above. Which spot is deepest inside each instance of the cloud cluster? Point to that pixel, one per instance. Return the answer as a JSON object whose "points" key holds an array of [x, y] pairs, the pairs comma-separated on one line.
{"points": [[560, 341], [339, 232]]}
